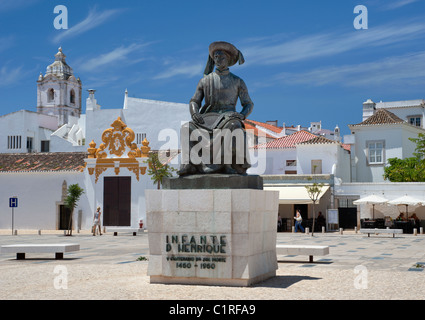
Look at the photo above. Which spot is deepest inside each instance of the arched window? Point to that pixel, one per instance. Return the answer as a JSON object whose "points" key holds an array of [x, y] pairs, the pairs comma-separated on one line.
{"points": [[72, 96], [51, 95]]}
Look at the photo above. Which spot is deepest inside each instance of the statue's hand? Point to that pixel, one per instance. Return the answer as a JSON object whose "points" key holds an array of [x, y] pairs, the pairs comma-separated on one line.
{"points": [[198, 118], [238, 115]]}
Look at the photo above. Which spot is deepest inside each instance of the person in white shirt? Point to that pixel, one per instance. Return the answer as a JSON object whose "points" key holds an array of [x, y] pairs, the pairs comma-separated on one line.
{"points": [[96, 221], [298, 221]]}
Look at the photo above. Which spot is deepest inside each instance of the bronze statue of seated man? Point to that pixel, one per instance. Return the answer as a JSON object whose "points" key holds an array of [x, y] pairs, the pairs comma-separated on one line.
{"points": [[215, 140]]}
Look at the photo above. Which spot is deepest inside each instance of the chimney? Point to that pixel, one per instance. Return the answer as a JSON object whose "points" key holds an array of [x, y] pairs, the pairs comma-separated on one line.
{"points": [[369, 108], [91, 103]]}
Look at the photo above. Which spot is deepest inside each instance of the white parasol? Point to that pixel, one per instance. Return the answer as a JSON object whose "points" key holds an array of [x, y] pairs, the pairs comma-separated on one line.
{"points": [[407, 201], [372, 199]]}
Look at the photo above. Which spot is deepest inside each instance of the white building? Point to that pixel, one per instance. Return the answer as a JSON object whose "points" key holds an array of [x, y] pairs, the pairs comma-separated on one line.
{"points": [[324, 156], [290, 163], [384, 133], [26, 131], [279, 156], [412, 111], [375, 140]]}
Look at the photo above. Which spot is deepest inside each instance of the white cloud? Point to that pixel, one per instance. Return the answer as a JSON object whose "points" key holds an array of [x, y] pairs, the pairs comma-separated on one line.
{"points": [[189, 70], [10, 76], [330, 44], [408, 69], [93, 20], [116, 55], [7, 5], [398, 4]]}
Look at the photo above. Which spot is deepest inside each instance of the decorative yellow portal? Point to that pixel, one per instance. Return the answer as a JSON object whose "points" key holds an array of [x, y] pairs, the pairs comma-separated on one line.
{"points": [[111, 153]]}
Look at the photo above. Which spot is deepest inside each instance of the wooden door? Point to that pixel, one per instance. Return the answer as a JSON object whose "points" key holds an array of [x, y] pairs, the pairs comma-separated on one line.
{"points": [[117, 201], [64, 216]]}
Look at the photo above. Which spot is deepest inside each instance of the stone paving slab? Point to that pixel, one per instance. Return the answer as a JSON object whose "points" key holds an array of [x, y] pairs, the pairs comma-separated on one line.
{"points": [[107, 267]]}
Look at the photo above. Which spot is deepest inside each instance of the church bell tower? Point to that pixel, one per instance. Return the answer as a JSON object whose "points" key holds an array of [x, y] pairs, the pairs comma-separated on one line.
{"points": [[59, 91]]}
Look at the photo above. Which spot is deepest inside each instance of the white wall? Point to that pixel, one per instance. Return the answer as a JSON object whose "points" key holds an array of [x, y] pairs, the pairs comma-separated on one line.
{"points": [[335, 160], [37, 206], [271, 161], [152, 117]]}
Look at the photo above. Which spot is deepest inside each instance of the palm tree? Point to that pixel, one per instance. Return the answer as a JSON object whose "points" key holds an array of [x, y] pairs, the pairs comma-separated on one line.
{"points": [[74, 194], [158, 170]]}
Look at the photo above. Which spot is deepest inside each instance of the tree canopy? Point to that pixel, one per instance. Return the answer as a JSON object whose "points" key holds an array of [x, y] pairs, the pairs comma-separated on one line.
{"points": [[158, 170], [409, 169]]}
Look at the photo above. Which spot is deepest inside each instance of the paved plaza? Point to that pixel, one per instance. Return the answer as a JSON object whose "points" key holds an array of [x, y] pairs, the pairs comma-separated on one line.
{"points": [[115, 267]]}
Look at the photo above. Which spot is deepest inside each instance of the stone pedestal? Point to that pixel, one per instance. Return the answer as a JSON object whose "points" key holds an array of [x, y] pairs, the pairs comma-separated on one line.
{"points": [[212, 236]]}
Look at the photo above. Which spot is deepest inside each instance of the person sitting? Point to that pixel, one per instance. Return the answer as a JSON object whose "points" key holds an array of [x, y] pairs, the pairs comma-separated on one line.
{"points": [[217, 130], [401, 217], [321, 221]]}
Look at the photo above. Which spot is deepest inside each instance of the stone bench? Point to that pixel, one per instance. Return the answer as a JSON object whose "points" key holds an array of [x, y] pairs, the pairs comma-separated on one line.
{"points": [[124, 230], [22, 249], [302, 250], [377, 231]]}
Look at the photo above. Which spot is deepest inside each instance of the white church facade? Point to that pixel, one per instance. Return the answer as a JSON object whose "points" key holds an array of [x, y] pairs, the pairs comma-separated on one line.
{"points": [[48, 150]]}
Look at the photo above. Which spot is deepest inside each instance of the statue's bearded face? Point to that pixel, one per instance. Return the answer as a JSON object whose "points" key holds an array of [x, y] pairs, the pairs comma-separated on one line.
{"points": [[221, 59]]}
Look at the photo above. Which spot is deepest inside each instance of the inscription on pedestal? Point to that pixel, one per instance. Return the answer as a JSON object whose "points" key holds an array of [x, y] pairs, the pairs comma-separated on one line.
{"points": [[196, 254]]}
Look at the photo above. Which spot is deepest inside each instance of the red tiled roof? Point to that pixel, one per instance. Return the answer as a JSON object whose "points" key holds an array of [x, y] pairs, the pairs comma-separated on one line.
{"points": [[287, 141], [55, 161], [346, 146], [264, 125], [323, 140], [381, 116], [318, 140], [257, 132]]}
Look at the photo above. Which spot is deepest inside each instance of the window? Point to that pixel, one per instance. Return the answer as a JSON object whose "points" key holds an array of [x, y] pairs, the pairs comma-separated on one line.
{"points": [[140, 137], [291, 163], [415, 121], [72, 96], [14, 142], [29, 144], [375, 152], [45, 146], [51, 95]]}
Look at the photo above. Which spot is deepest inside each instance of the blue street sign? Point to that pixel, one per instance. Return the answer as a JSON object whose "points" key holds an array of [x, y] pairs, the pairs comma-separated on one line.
{"points": [[13, 202]]}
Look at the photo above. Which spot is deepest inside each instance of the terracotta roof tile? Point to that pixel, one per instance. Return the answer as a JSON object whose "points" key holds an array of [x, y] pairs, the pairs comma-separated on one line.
{"points": [[287, 141], [381, 116], [318, 140], [257, 131], [264, 125], [57, 161]]}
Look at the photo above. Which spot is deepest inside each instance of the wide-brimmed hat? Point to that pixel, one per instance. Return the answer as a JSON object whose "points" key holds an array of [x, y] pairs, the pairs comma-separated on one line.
{"points": [[234, 54]]}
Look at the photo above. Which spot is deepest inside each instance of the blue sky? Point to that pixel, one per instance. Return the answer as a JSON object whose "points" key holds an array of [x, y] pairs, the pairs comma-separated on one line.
{"points": [[305, 61]]}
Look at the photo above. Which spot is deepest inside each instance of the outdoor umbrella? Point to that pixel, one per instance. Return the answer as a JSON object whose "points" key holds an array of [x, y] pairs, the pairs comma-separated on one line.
{"points": [[372, 199], [407, 201]]}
